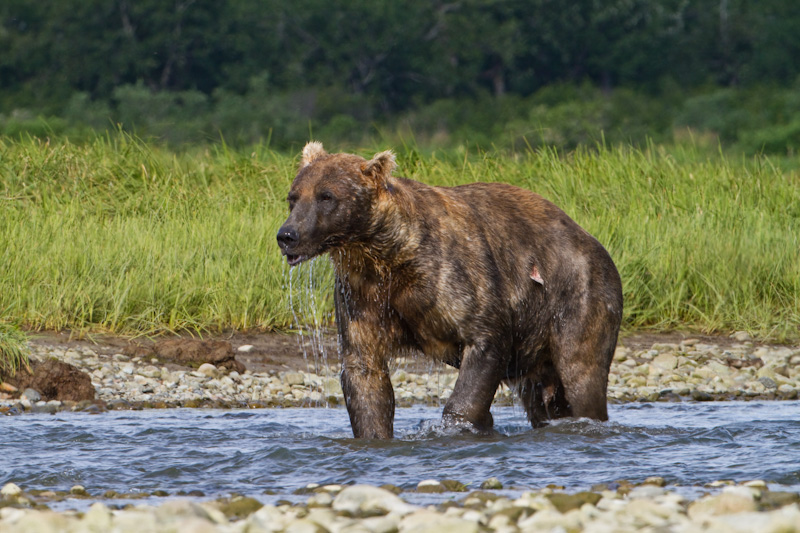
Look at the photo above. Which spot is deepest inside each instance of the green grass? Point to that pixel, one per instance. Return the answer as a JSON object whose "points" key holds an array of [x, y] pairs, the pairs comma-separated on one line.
{"points": [[13, 350], [121, 236]]}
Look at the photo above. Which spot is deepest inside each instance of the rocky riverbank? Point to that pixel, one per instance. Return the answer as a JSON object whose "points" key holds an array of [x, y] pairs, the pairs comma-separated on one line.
{"points": [[666, 368], [748, 507]]}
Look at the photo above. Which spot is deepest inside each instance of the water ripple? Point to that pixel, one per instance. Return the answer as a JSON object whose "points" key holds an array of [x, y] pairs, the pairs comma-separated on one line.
{"points": [[220, 452]]}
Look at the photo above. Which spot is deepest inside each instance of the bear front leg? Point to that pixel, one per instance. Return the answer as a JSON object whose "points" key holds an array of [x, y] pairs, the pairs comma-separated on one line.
{"points": [[478, 378], [369, 397], [367, 337]]}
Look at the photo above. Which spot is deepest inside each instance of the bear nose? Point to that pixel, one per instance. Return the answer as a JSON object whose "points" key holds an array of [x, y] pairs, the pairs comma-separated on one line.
{"points": [[287, 237]]}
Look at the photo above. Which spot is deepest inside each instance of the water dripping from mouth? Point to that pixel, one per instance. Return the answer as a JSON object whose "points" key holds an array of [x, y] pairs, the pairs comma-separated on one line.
{"points": [[309, 321]]}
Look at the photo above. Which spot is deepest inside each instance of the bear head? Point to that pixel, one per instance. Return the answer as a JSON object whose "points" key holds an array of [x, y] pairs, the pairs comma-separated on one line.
{"points": [[331, 201]]}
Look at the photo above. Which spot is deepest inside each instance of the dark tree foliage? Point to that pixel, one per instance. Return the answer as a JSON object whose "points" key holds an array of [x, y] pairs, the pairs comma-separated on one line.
{"points": [[391, 55]]}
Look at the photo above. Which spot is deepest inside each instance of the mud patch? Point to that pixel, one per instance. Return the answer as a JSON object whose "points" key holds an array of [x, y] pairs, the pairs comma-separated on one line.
{"points": [[55, 380]]}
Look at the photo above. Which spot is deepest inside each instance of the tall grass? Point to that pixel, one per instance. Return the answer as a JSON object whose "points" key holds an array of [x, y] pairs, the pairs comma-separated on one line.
{"points": [[122, 236], [13, 350]]}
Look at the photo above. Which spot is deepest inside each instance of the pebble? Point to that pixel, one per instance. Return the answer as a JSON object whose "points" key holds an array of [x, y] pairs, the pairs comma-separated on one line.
{"points": [[687, 371], [749, 507]]}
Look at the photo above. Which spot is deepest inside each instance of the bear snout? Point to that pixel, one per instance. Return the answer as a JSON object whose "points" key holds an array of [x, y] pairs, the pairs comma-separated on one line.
{"points": [[287, 238]]}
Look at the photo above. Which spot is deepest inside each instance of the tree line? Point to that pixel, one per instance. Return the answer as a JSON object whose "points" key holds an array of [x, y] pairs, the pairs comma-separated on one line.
{"points": [[356, 62]]}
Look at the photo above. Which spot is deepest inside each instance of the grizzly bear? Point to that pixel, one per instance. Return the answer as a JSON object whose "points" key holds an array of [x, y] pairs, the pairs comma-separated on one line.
{"points": [[487, 277]]}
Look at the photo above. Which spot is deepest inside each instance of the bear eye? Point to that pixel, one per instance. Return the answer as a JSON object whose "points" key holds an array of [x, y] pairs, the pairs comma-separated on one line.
{"points": [[292, 199], [326, 196]]}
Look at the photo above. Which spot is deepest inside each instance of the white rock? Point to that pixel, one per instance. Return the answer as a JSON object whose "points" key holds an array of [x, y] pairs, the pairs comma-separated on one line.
{"points": [[293, 378], [10, 490], [426, 521], [269, 518], [365, 498], [208, 370], [245, 348], [98, 518], [547, 520]]}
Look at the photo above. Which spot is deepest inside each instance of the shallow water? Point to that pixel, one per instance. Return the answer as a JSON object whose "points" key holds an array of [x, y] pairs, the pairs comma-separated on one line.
{"points": [[248, 452]]}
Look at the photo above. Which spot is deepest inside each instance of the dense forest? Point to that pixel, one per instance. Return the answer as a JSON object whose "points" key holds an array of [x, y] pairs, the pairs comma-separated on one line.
{"points": [[479, 71]]}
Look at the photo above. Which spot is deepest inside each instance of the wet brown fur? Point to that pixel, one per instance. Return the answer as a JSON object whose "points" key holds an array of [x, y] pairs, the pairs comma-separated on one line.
{"points": [[489, 278]]}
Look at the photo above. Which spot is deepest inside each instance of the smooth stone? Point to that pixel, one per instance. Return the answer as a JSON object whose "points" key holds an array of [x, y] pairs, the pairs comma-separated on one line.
{"points": [[10, 490], [492, 484], [361, 499], [427, 521], [331, 387], [31, 395], [245, 348], [430, 486], [646, 492], [666, 361], [548, 520], [293, 378], [303, 525], [7, 387], [721, 504], [768, 383], [567, 502], [98, 517], [173, 510], [655, 480], [208, 370], [78, 490], [268, 518]]}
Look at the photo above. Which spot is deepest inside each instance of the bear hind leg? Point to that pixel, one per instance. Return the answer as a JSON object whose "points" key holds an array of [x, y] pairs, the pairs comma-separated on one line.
{"points": [[543, 396]]}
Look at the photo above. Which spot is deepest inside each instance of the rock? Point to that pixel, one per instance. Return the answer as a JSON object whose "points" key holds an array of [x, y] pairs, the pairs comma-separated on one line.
{"points": [[721, 504], [567, 502], [741, 336], [245, 348], [451, 485], [98, 518], [331, 387], [322, 499], [175, 510], [701, 396], [293, 378], [7, 387], [430, 486], [547, 520], [774, 500], [431, 522], [194, 352], [492, 484], [32, 395], [268, 518], [646, 492], [239, 507], [78, 490], [381, 524], [10, 490], [359, 500], [667, 361], [208, 370], [658, 481], [768, 383]]}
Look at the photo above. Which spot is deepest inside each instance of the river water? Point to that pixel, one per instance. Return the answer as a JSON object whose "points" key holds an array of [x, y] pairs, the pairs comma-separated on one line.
{"points": [[280, 450]]}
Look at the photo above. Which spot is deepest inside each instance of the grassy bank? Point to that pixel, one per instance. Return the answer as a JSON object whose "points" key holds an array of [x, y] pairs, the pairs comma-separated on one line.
{"points": [[122, 236]]}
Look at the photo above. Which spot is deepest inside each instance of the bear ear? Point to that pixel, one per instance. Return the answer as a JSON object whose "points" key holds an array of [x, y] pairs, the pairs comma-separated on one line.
{"points": [[381, 165], [311, 152]]}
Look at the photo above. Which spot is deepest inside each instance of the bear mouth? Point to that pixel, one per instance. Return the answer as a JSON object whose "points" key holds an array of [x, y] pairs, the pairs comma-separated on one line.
{"points": [[294, 260]]}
